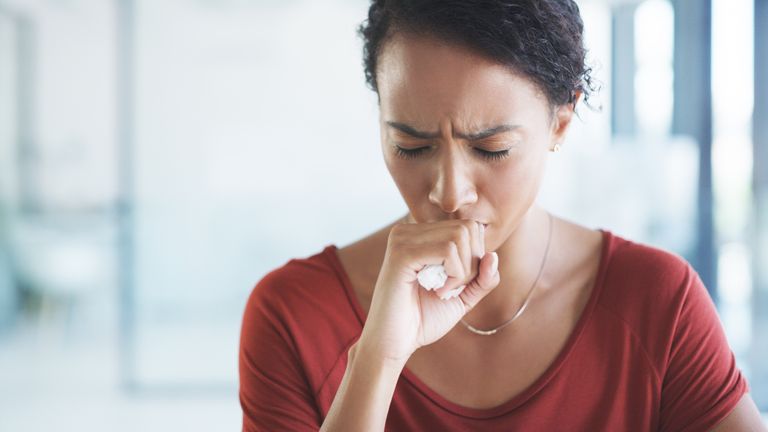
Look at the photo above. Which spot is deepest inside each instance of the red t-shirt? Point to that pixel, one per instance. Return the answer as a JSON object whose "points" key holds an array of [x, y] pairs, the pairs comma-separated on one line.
{"points": [[648, 353]]}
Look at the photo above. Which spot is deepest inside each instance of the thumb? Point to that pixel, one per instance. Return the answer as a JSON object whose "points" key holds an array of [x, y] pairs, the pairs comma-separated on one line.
{"points": [[487, 279]]}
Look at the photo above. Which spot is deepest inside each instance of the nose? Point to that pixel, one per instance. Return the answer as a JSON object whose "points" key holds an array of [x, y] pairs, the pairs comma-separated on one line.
{"points": [[453, 187]]}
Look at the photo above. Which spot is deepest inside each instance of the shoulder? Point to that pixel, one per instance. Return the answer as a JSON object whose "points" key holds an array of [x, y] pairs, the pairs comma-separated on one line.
{"points": [[300, 313], [305, 302], [655, 302], [645, 289], [304, 299], [298, 283], [638, 275], [287, 344]]}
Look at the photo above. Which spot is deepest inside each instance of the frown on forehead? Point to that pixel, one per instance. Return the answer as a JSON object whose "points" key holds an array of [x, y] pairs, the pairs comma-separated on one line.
{"points": [[424, 80]]}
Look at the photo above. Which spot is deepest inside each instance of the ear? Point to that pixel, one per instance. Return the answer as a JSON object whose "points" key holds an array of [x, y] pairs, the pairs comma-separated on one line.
{"points": [[562, 119]]}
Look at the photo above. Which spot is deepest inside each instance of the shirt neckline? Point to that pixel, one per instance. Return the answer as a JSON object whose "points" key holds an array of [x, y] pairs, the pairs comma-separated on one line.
{"points": [[331, 252]]}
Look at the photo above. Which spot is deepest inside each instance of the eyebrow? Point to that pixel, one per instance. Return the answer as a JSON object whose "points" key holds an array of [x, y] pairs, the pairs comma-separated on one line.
{"points": [[485, 133]]}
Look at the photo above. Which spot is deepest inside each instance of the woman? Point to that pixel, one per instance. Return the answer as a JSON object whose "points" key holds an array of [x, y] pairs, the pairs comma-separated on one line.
{"points": [[542, 324]]}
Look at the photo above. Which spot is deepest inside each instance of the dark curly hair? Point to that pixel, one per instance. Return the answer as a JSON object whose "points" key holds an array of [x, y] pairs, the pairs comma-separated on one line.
{"points": [[542, 39]]}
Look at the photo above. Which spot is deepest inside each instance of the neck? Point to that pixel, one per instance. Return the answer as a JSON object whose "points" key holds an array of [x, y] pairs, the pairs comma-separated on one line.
{"points": [[520, 258]]}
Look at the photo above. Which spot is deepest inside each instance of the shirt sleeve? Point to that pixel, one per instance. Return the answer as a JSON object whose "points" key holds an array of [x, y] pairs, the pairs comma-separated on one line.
{"points": [[274, 392], [701, 384]]}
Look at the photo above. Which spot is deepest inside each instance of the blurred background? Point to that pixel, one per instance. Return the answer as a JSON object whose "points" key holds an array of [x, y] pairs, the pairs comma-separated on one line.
{"points": [[157, 158]]}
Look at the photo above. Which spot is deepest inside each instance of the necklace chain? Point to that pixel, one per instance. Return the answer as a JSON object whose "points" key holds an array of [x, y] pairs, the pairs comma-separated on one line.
{"points": [[527, 298]]}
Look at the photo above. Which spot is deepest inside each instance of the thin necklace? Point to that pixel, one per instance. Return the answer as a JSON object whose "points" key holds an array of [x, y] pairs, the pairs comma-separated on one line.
{"points": [[527, 298]]}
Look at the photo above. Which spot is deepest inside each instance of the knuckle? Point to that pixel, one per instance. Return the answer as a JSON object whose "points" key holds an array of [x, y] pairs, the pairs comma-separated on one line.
{"points": [[393, 233], [461, 234], [397, 233], [451, 248], [396, 229]]}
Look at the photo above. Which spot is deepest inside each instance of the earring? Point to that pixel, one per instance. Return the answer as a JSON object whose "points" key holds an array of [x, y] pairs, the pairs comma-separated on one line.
{"points": [[556, 148]]}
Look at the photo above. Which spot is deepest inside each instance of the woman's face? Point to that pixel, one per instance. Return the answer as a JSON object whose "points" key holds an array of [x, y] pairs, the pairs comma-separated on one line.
{"points": [[463, 137]]}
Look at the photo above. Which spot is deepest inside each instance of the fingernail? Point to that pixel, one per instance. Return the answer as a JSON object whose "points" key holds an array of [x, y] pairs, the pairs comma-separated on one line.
{"points": [[495, 263]]}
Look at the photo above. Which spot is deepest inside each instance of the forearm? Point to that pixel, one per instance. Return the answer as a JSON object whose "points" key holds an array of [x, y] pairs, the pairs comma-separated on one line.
{"points": [[365, 393]]}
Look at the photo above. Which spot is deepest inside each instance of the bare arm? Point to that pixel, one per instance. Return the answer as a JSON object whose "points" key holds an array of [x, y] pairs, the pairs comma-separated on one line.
{"points": [[744, 417], [404, 317], [363, 399]]}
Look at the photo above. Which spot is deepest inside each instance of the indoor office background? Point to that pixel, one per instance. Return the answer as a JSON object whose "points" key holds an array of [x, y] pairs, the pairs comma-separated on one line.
{"points": [[157, 158]]}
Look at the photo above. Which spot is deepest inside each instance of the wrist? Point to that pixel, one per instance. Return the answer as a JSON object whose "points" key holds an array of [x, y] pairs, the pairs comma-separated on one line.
{"points": [[363, 352]]}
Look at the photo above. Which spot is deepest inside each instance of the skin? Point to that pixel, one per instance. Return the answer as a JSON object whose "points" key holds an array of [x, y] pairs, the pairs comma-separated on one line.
{"points": [[449, 93], [456, 104]]}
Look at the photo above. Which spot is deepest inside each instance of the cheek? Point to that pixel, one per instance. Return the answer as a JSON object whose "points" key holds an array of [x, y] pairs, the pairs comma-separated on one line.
{"points": [[518, 169], [516, 183], [407, 180]]}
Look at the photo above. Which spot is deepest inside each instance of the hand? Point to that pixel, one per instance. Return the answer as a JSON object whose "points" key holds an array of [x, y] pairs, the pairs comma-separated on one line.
{"points": [[403, 316]]}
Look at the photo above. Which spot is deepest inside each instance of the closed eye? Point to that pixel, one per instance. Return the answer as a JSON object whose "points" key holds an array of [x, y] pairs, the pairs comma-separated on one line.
{"points": [[413, 153]]}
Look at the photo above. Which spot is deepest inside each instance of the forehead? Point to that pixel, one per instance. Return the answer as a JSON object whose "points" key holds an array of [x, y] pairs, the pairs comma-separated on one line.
{"points": [[420, 76]]}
